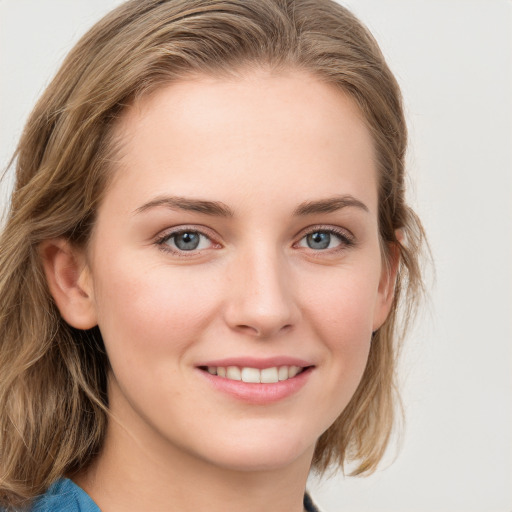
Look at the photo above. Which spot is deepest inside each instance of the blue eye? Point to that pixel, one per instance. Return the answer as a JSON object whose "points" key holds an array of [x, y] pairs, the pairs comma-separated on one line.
{"points": [[318, 240], [187, 240], [321, 240]]}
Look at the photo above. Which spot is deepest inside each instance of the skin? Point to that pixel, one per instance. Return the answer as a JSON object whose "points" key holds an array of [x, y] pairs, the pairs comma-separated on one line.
{"points": [[263, 145]]}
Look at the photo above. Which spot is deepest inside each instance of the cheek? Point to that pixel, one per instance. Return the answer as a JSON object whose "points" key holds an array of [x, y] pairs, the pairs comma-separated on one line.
{"points": [[341, 310], [343, 305], [148, 310]]}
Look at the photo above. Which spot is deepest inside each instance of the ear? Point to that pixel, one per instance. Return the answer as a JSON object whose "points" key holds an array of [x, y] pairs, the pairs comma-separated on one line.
{"points": [[386, 290], [70, 282]]}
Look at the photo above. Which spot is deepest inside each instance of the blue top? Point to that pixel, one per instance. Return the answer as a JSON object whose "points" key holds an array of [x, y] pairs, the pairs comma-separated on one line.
{"points": [[65, 496]]}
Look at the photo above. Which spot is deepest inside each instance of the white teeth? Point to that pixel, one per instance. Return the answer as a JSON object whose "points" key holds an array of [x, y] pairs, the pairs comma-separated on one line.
{"points": [[254, 375], [251, 375], [269, 375], [233, 373], [283, 373], [293, 370]]}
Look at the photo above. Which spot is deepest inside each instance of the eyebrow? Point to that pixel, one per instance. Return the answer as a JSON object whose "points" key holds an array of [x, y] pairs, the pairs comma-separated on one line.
{"points": [[329, 205], [219, 209], [214, 208]]}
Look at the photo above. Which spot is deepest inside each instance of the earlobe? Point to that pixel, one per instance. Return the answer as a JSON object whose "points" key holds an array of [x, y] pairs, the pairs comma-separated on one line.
{"points": [[386, 291], [70, 282]]}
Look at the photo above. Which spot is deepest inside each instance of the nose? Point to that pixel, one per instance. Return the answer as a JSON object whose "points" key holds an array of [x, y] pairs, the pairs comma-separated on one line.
{"points": [[261, 302]]}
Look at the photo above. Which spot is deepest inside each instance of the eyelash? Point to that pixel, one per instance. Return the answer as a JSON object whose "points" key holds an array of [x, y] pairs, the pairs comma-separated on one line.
{"points": [[346, 240], [161, 241]]}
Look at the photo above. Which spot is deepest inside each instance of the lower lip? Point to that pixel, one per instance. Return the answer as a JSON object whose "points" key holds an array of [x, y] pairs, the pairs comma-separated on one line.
{"points": [[254, 393]]}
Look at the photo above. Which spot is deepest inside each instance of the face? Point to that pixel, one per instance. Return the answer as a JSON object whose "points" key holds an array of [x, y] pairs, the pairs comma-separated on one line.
{"points": [[238, 240]]}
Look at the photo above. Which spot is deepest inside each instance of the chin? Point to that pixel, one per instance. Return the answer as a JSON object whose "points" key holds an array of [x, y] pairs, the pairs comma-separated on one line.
{"points": [[262, 452]]}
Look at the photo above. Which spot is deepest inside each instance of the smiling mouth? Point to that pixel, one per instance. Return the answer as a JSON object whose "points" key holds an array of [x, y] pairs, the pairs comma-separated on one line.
{"points": [[255, 375]]}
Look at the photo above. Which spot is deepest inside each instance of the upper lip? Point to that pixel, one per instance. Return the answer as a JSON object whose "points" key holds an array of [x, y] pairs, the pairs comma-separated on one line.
{"points": [[259, 363]]}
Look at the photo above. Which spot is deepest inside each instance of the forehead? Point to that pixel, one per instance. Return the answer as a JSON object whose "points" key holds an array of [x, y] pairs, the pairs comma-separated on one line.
{"points": [[283, 135]]}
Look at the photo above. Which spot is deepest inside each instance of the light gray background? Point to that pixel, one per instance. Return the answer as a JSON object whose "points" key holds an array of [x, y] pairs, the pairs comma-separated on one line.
{"points": [[453, 59]]}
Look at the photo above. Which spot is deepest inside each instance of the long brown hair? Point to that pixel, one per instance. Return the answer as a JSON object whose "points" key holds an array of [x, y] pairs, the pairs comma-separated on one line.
{"points": [[53, 402]]}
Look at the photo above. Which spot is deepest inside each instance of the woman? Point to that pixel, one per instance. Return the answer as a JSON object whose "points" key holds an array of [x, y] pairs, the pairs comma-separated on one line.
{"points": [[207, 246]]}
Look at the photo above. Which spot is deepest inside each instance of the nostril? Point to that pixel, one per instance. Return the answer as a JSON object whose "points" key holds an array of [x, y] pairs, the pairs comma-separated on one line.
{"points": [[247, 328], [263, 331]]}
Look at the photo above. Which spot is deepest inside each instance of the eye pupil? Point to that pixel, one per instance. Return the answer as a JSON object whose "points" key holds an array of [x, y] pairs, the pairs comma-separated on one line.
{"points": [[319, 240], [187, 241]]}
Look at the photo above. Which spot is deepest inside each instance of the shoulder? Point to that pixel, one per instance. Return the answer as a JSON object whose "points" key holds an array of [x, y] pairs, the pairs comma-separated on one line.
{"points": [[64, 496]]}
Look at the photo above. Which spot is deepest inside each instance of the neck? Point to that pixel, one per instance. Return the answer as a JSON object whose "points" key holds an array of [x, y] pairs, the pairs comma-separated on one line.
{"points": [[128, 476]]}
